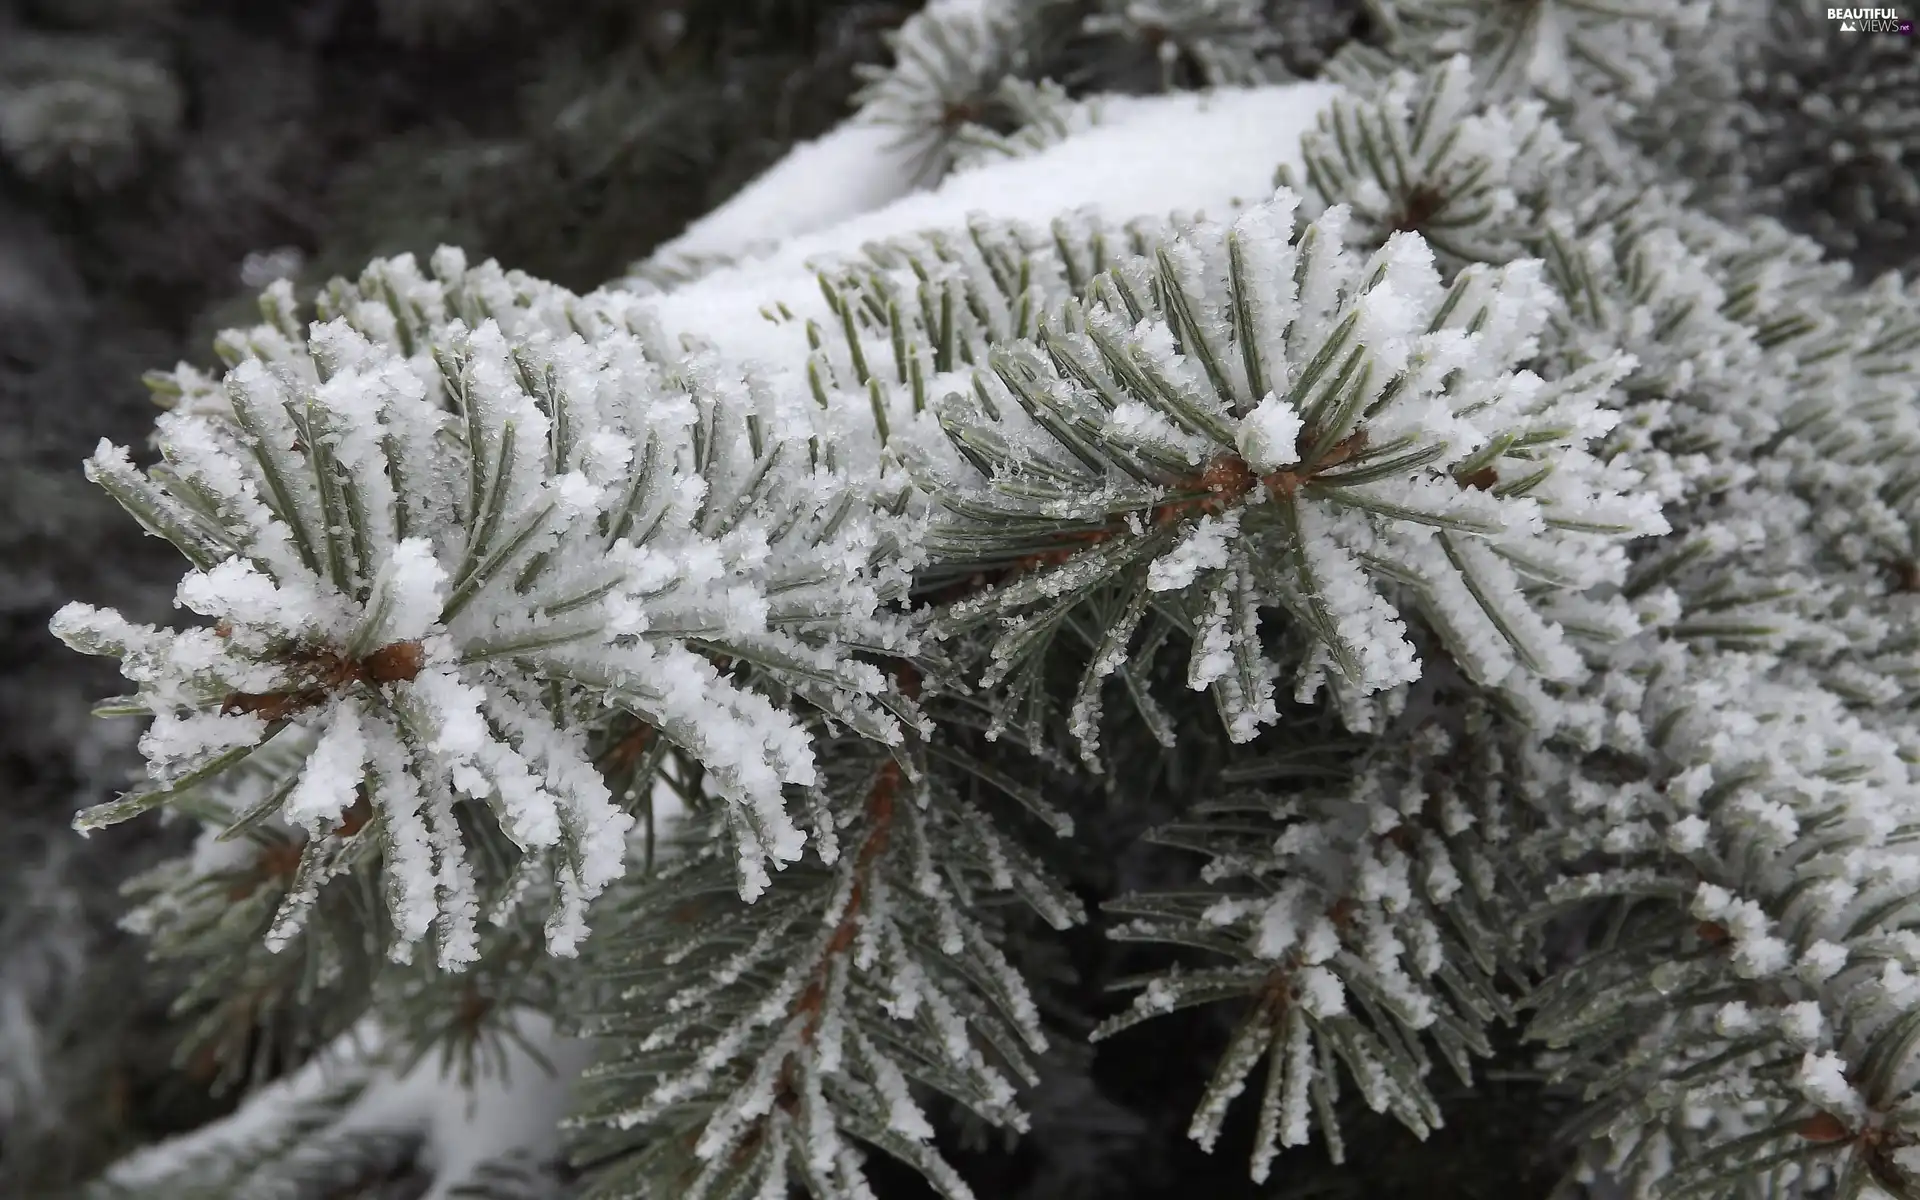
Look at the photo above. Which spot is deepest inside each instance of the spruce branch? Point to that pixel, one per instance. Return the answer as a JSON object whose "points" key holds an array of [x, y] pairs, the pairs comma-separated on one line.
{"points": [[915, 308], [275, 967], [1759, 945], [295, 1153], [1209, 43], [430, 546], [250, 1012], [741, 1064], [1582, 521], [1746, 337], [1042, 113], [1423, 154], [949, 60], [1593, 51], [1359, 926], [1257, 418], [1814, 127]]}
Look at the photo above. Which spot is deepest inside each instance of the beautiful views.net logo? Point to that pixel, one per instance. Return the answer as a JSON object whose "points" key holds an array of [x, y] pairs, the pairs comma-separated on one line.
{"points": [[1870, 20]]}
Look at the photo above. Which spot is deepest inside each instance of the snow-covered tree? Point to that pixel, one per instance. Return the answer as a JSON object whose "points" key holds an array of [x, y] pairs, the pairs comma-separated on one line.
{"points": [[1377, 571]]}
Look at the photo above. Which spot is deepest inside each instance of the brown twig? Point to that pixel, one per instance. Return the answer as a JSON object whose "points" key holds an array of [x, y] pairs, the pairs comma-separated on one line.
{"points": [[1823, 1127], [627, 751], [810, 1006], [1422, 205], [1225, 482], [1905, 573], [322, 672]]}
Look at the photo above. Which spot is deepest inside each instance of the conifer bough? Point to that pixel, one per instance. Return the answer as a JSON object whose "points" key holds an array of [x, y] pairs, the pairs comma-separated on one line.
{"points": [[438, 551], [1582, 523]]}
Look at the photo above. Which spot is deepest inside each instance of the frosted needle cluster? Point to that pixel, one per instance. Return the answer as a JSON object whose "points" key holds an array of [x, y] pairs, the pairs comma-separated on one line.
{"points": [[429, 545]]}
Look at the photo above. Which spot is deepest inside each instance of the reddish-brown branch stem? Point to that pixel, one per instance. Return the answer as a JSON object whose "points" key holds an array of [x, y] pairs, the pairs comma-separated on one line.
{"points": [[322, 672], [1481, 480], [1904, 573], [355, 819], [627, 751], [882, 800], [1421, 205], [880, 807]]}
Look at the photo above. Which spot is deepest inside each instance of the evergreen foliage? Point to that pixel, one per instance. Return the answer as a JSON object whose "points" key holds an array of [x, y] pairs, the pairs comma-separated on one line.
{"points": [[76, 114], [803, 731], [1778, 110], [307, 139]]}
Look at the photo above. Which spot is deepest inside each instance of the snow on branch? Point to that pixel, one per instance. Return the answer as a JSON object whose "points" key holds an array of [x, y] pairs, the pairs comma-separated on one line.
{"points": [[1256, 418], [1763, 872], [761, 1046], [1211, 153], [1421, 155], [1362, 928], [851, 171], [949, 58], [1558, 49], [430, 531]]}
